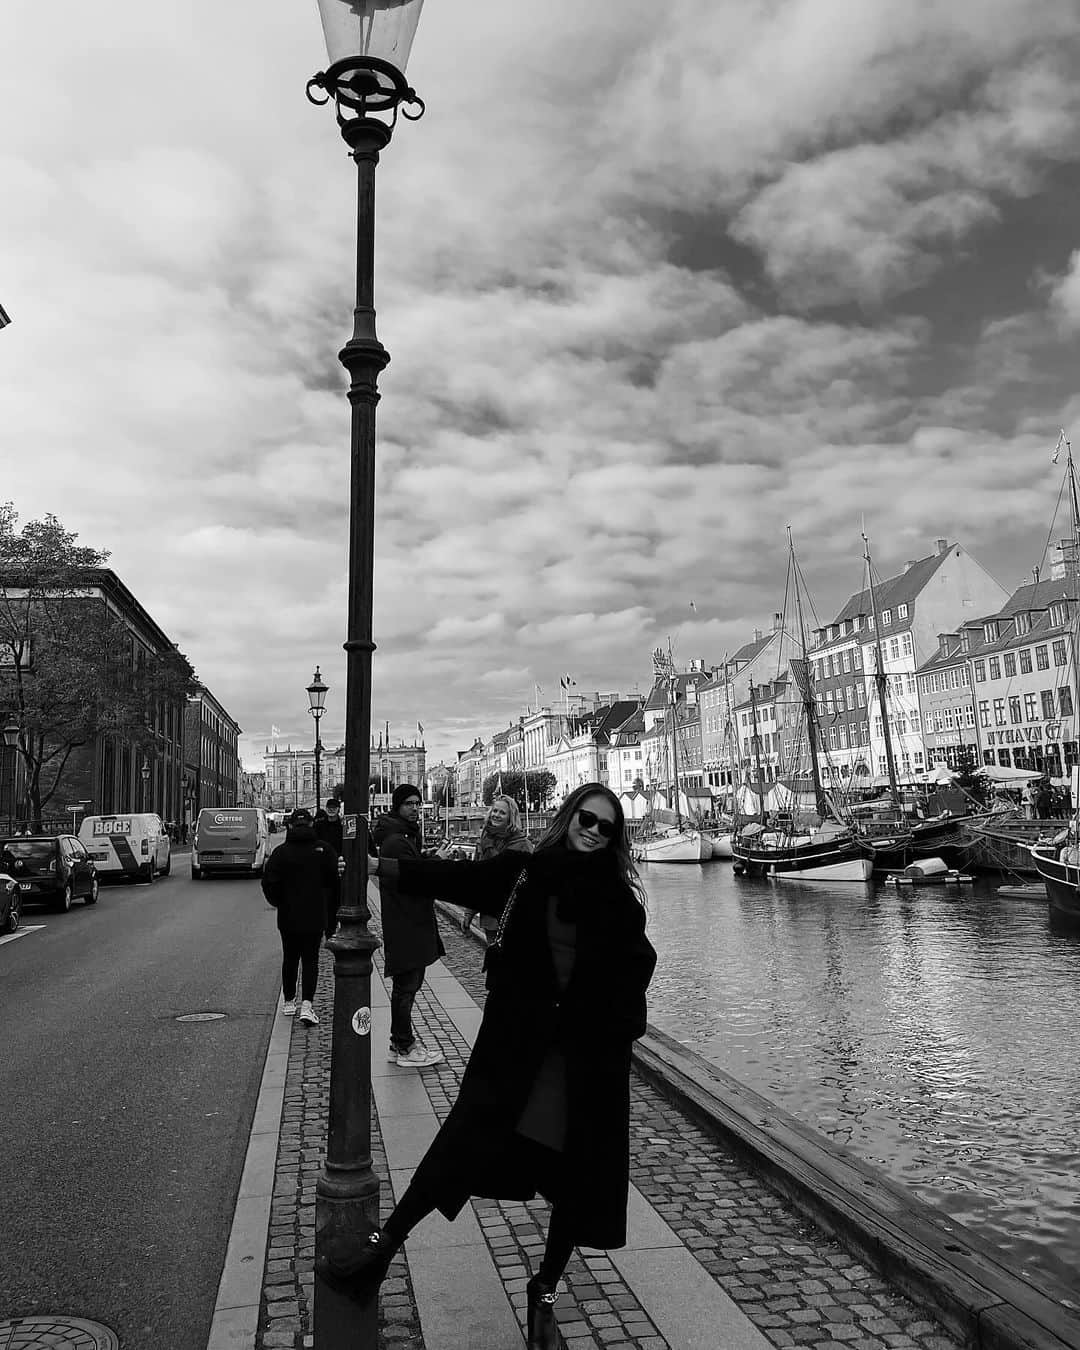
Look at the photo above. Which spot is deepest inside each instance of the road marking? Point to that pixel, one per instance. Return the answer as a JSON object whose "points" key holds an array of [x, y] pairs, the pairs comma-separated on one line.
{"points": [[22, 932]]}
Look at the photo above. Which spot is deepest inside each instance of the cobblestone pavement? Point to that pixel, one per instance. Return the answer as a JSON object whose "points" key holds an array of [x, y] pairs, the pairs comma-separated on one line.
{"points": [[794, 1283]]}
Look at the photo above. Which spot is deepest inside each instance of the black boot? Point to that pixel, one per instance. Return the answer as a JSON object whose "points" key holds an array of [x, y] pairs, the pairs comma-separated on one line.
{"points": [[359, 1272], [542, 1327]]}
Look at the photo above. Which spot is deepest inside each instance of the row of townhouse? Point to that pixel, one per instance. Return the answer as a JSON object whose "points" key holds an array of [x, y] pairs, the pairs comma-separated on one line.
{"points": [[967, 670]]}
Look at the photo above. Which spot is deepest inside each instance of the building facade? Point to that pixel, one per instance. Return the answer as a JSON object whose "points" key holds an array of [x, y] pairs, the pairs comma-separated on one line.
{"points": [[211, 754]]}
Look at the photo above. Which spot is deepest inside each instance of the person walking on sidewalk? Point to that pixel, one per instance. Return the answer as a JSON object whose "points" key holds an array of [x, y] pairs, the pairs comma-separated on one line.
{"points": [[544, 1103], [299, 877], [328, 828], [411, 939], [502, 830]]}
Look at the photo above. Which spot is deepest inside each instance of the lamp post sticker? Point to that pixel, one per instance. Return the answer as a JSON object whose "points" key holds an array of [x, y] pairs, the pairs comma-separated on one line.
{"points": [[348, 827], [361, 1022]]}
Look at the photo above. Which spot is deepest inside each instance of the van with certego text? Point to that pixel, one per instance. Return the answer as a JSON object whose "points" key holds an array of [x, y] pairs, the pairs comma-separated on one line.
{"points": [[230, 839], [129, 845]]}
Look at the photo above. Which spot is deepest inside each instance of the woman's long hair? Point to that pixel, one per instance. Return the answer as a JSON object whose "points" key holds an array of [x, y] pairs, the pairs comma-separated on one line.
{"points": [[619, 847]]}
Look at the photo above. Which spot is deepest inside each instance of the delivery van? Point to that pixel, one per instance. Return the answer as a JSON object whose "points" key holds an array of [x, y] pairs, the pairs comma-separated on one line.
{"points": [[230, 839], [130, 845]]}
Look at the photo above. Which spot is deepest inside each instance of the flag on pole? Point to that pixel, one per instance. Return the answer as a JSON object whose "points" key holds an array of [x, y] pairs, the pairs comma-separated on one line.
{"points": [[567, 682], [1063, 440], [420, 729], [5, 318], [274, 731]]}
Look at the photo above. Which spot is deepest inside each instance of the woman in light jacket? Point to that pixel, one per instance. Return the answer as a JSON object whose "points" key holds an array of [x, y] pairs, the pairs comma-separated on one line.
{"points": [[502, 830], [544, 1103]]}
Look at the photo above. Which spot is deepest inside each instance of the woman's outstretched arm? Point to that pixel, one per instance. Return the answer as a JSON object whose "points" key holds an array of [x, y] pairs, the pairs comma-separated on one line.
{"points": [[481, 886]]}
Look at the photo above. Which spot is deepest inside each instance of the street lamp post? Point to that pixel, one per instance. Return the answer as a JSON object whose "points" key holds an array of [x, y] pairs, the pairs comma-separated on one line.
{"points": [[145, 774], [368, 43], [11, 742], [316, 692]]}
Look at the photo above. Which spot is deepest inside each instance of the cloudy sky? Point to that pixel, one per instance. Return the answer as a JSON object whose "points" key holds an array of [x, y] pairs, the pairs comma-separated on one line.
{"points": [[657, 280]]}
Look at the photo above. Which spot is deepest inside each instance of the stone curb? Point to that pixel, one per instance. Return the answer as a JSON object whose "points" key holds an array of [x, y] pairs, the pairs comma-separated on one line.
{"points": [[950, 1271]]}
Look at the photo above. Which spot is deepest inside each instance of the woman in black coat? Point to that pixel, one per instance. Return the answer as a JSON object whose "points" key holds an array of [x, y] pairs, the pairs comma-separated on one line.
{"points": [[544, 1103]]}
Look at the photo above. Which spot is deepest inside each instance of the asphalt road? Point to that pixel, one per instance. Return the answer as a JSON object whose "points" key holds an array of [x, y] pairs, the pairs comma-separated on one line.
{"points": [[122, 1130]]}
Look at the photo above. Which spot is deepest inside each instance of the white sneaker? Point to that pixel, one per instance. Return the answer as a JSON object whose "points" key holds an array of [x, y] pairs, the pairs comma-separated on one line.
{"points": [[420, 1058], [308, 1014], [289, 1007]]}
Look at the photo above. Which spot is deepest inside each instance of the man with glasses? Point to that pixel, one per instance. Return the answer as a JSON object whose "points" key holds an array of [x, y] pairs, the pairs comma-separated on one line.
{"points": [[411, 939]]}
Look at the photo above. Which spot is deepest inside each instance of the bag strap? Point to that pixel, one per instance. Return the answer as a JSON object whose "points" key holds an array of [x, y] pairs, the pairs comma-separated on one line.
{"points": [[504, 917]]}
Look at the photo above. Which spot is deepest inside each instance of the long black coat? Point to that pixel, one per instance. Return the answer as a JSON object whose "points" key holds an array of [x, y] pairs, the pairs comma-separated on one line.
{"points": [[595, 1022], [411, 938], [299, 879]]}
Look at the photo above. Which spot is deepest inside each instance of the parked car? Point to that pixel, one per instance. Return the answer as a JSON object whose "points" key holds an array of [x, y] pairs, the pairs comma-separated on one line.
{"points": [[131, 846], [10, 903], [54, 868]]}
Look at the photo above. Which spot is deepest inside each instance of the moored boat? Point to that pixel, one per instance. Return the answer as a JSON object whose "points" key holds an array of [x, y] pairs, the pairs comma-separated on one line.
{"points": [[828, 852], [1059, 867], [720, 844], [674, 845]]}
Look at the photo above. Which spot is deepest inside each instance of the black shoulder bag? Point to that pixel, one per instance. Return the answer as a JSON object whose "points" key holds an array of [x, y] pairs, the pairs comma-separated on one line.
{"points": [[495, 946]]}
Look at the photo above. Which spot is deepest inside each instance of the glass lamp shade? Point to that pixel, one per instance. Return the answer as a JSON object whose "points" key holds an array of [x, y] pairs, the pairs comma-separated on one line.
{"points": [[370, 28], [11, 734], [316, 692]]}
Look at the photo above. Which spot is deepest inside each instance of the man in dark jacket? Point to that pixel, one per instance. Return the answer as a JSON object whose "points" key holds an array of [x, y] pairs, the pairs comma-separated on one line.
{"points": [[328, 829], [411, 939], [299, 877]]}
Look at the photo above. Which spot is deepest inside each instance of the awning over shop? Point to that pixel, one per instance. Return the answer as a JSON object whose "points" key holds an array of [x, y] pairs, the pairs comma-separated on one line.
{"points": [[998, 773]]}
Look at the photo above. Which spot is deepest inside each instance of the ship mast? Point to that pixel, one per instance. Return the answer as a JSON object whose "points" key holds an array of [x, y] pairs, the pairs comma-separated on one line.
{"points": [[755, 741], [673, 690], [806, 688], [881, 680]]}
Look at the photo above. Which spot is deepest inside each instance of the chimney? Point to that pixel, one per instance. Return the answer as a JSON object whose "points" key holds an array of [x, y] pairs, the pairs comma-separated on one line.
{"points": [[757, 634], [942, 546]]}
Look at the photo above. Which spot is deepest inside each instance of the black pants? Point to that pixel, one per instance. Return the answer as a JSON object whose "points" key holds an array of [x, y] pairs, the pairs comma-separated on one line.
{"points": [[300, 949], [406, 986]]}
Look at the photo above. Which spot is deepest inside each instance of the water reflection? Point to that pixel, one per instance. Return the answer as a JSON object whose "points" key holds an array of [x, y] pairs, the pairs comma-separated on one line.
{"points": [[933, 1032]]}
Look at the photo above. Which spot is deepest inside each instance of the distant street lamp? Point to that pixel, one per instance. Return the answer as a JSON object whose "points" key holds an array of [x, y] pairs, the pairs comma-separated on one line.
{"points": [[145, 774], [368, 42], [11, 742], [316, 692]]}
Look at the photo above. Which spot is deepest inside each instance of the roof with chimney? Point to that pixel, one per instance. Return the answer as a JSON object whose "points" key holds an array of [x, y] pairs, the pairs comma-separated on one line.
{"points": [[890, 594]]}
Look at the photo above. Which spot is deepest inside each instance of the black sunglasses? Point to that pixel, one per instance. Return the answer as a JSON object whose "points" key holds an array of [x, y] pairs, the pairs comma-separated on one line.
{"points": [[587, 819]]}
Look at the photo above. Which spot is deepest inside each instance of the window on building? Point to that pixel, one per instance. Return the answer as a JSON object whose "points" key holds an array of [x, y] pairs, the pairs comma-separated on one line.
{"points": [[856, 659], [1060, 658], [918, 759], [1025, 661], [980, 671], [1010, 663], [894, 649], [1014, 709], [995, 668], [916, 722], [969, 717], [901, 611], [1065, 701], [860, 695], [847, 661], [988, 756], [1048, 704], [886, 617], [1031, 707], [849, 697], [1003, 759], [877, 726], [999, 712], [870, 621], [882, 764], [1042, 657]]}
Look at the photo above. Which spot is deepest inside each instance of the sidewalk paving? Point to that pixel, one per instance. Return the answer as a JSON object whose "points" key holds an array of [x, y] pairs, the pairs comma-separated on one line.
{"points": [[714, 1258]]}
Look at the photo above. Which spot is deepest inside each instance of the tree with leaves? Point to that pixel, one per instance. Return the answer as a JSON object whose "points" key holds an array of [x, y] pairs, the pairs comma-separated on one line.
{"points": [[540, 784], [71, 667]]}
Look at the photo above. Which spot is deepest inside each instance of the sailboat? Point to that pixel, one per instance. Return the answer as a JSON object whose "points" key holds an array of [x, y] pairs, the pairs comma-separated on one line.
{"points": [[904, 839], [1057, 861], [827, 850], [673, 840]]}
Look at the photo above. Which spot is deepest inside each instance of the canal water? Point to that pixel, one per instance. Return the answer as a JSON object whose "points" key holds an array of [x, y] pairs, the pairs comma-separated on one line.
{"points": [[934, 1032]]}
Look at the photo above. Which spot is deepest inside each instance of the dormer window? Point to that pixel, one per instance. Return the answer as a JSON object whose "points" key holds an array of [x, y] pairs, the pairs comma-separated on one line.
{"points": [[901, 611], [965, 641], [1059, 614], [869, 621], [856, 623], [990, 631], [1022, 624], [886, 617]]}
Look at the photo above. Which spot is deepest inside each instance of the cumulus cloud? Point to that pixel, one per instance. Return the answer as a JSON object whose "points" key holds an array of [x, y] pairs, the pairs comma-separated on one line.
{"points": [[652, 291]]}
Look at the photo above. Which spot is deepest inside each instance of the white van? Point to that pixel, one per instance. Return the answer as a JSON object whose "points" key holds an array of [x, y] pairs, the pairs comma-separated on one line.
{"points": [[130, 844], [230, 839]]}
